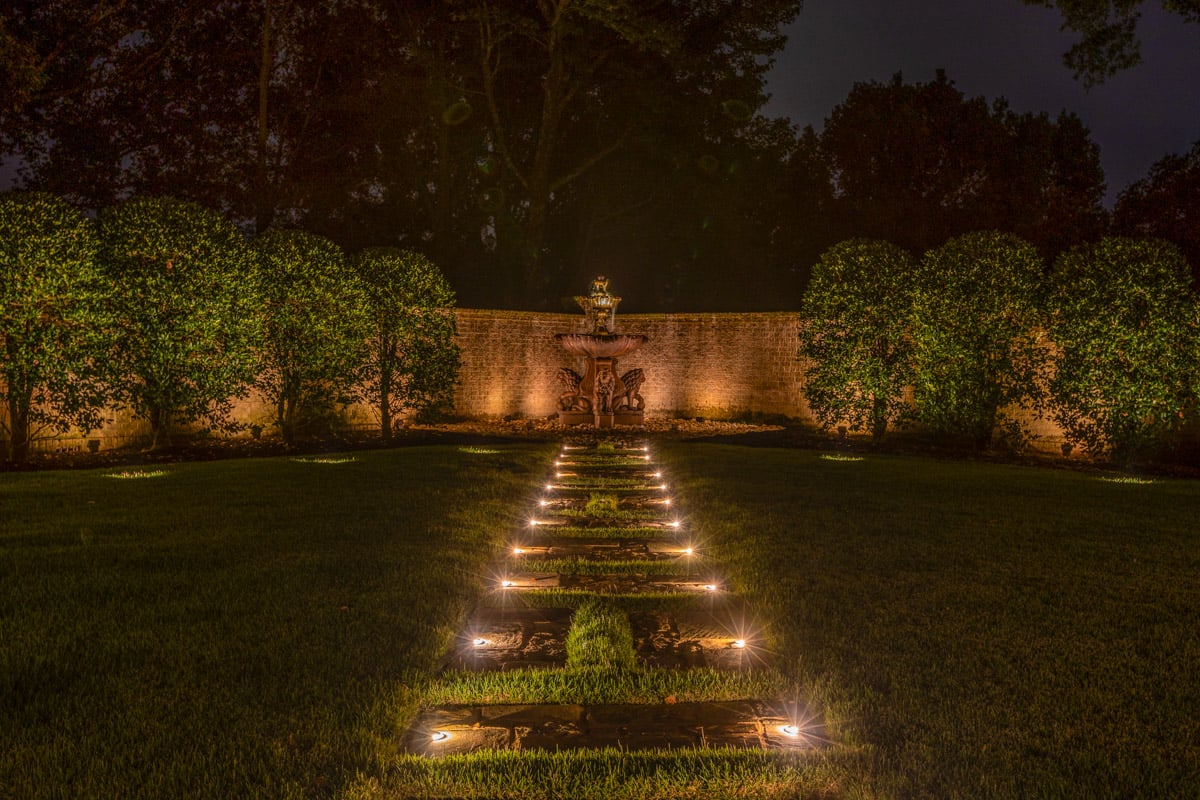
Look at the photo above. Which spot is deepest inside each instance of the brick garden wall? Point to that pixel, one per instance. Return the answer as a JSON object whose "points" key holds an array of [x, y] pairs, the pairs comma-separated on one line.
{"points": [[697, 365], [707, 365]]}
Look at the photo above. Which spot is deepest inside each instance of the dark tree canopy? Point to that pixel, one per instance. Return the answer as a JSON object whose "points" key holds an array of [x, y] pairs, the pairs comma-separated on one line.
{"points": [[917, 164], [1166, 205], [1108, 40], [473, 131]]}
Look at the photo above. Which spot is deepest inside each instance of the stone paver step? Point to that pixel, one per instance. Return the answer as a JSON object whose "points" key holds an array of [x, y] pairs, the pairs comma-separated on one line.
{"points": [[617, 583], [551, 521], [760, 725], [583, 548], [498, 639]]}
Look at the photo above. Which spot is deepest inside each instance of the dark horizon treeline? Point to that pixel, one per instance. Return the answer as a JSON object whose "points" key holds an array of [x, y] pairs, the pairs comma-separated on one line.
{"points": [[525, 148]]}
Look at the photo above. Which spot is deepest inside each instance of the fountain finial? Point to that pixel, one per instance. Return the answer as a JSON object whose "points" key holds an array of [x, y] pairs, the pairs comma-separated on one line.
{"points": [[600, 306]]}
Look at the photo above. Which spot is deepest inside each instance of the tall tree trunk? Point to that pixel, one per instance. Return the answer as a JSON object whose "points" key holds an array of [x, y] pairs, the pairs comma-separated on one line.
{"points": [[264, 211], [284, 417], [18, 426], [385, 399], [160, 428]]}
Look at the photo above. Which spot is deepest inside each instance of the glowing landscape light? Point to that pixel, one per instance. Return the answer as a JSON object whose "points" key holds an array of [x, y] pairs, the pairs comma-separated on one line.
{"points": [[507, 584], [543, 503], [439, 736], [517, 551], [790, 730], [675, 523], [481, 642], [738, 644], [710, 587], [646, 457], [687, 551], [549, 487], [658, 474]]}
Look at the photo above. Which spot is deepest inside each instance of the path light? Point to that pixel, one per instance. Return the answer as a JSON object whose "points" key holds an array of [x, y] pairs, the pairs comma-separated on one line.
{"points": [[667, 501], [687, 551], [647, 456], [658, 474], [543, 503], [558, 474], [517, 551], [710, 587], [675, 523], [549, 487], [533, 523], [439, 736], [790, 730], [481, 642], [738, 644], [662, 486], [507, 584]]}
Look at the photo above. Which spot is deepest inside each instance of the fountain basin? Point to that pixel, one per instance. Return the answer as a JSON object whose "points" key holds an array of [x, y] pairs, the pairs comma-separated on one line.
{"points": [[600, 345]]}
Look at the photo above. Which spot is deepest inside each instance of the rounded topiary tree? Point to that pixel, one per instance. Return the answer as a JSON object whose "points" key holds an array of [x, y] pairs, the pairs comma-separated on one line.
{"points": [[1128, 338], [413, 360], [856, 311], [187, 308], [316, 326], [55, 327], [980, 348]]}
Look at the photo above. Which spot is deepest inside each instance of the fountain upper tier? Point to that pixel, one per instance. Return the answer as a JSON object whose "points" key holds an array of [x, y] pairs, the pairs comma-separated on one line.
{"points": [[600, 345]]}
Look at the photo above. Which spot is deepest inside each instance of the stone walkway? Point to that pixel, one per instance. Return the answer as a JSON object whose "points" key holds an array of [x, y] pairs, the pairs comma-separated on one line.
{"points": [[607, 526]]}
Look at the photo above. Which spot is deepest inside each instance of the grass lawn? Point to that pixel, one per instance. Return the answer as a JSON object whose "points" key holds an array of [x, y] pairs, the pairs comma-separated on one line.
{"points": [[235, 629], [971, 630], [266, 628]]}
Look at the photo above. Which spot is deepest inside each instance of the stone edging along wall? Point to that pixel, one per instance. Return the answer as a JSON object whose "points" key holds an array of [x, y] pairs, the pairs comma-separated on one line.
{"points": [[715, 366]]}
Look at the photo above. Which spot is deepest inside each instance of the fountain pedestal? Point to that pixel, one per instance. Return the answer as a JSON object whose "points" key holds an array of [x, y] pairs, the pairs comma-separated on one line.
{"points": [[601, 396]]}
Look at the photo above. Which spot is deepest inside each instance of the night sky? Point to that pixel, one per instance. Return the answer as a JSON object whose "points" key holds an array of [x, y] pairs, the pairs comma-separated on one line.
{"points": [[997, 48]]}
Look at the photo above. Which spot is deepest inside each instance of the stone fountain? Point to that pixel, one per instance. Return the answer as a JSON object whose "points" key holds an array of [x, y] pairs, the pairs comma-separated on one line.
{"points": [[600, 396]]}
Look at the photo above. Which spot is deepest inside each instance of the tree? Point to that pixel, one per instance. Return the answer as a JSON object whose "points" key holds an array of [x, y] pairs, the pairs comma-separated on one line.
{"points": [[1164, 205], [566, 85], [1108, 30], [187, 311], [856, 313], [55, 327], [316, 327], [1128, 336], [980, 350], [413, 359], [473, 131], [917, 164]]}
